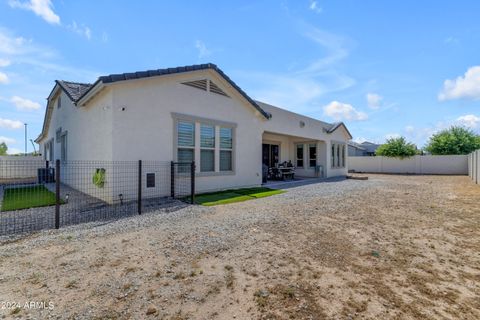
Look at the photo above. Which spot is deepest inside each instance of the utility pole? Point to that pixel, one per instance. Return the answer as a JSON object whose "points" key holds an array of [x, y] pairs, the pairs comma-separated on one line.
{"points": [[25, 139]]}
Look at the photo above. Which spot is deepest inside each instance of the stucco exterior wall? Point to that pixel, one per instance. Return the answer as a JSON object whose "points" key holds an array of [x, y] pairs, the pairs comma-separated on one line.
{"points": [[89, 128], [144, 125]]}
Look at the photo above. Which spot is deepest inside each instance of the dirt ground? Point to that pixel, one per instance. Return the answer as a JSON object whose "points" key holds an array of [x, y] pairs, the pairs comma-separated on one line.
{"points": [[402, 247]]}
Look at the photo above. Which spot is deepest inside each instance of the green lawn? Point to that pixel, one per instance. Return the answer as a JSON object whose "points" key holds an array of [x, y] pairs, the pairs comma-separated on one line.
{"points": [[236, 195], [27, 197]]}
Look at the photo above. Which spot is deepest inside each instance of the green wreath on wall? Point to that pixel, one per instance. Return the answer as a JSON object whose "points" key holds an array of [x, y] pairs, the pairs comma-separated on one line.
{"points": [[99, 177]]}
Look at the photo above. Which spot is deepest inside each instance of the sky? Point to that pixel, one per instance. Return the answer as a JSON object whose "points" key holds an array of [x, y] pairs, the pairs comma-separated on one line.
{"points": [[385, 68]]}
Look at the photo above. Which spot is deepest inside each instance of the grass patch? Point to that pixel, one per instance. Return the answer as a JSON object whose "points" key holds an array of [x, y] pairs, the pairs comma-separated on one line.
{"points": [[27, 197], [236, 195]]}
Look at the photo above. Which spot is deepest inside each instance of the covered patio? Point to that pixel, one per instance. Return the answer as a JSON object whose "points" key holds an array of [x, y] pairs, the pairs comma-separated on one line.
{"points": [[287, 157]]}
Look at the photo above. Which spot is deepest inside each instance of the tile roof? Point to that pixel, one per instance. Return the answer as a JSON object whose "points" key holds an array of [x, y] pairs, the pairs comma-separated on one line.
{"points": [[337, 125], [78, 90], [74, 90]]}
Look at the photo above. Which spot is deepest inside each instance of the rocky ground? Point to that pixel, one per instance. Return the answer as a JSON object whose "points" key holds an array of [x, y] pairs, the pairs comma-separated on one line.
{"points": [[391, 247]]}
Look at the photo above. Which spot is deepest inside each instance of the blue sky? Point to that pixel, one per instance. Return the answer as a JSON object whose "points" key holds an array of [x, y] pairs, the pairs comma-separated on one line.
{"points": [[385, 68]]}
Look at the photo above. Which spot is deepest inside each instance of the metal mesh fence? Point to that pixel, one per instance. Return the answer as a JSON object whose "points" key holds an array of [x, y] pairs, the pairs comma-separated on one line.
{"points": [[35, 195]]}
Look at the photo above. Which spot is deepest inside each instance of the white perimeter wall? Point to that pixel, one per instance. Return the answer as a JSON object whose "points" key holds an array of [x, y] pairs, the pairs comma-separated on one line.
{"points": [[474, 166], [19, 167], [454, 164]]}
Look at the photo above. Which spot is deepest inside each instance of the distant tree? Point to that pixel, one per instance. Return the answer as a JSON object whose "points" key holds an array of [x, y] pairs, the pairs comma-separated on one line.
{"points": [[397, 147], [3, 149], [455, 140]]}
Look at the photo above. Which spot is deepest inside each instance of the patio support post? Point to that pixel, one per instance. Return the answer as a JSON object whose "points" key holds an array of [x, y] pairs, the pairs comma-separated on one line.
{"points": [[192, 182], [139, 187], [57, 194], [172, 179]]}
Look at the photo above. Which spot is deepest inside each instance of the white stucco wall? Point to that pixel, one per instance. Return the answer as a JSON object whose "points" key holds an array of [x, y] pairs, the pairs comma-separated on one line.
{"points": [[453, 164], [143, 124], [89, 128]]}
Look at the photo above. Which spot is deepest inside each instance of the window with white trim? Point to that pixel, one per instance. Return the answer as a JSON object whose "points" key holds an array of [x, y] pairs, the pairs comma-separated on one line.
{"points": [[185, 141], [207, 148], [299, 155], [226, 149]]}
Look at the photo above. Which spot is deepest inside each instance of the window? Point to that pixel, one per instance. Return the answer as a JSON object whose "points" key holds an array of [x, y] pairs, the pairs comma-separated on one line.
{"points": [[333, 155], [338, 155], [185, 141], [150, 180], [63, 146], [59, 102], [299, 155], [207, 148], [226, 145], [312, 155], [209, 143]]}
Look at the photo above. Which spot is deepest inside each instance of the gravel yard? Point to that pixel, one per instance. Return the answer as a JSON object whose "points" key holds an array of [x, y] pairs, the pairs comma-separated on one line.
{"points": [[403, 247]]}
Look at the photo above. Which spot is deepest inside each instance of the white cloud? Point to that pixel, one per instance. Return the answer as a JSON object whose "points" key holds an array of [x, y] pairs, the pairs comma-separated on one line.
{"points": [[82, 30], [203, 51], [469, 121], [359, 139], [343, 111], [374, 100], [10, 124], [7, 140], [466, 86], [42, 8], [12, 151], [314, 7], [3, 78], [4, 62], [392, 136], [409, 129], [24, 104], [300, 86], [47, 60]]}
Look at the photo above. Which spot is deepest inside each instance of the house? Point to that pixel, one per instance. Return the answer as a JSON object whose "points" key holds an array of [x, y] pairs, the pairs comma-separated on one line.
{"points": [[364, 149], [183, 114]]}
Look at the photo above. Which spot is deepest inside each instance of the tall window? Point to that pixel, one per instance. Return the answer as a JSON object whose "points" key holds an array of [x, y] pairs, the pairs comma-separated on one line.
{"points": [[59, 102], [207, 148], [338, 155], [63, 147], [333, 155], [299, 155], [185, 141], [226, 145], [312, 155]]}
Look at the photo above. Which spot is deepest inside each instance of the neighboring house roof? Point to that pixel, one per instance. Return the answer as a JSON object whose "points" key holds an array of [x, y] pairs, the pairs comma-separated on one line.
{"points": [[356, 145], [337, 125]]}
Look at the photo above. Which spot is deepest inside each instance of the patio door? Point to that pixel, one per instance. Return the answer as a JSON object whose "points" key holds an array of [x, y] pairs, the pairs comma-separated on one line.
{"points": [[270, 154]]}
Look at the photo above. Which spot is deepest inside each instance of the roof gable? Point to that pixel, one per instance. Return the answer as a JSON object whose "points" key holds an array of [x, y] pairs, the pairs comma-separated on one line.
{"points": [[338, 125], [161, 72]]}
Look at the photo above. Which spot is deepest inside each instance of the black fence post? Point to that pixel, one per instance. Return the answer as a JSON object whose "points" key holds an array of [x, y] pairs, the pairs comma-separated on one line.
{"points": [[47, 164], [57, 194], [192, 182], [172, 179], [139, 187]]}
